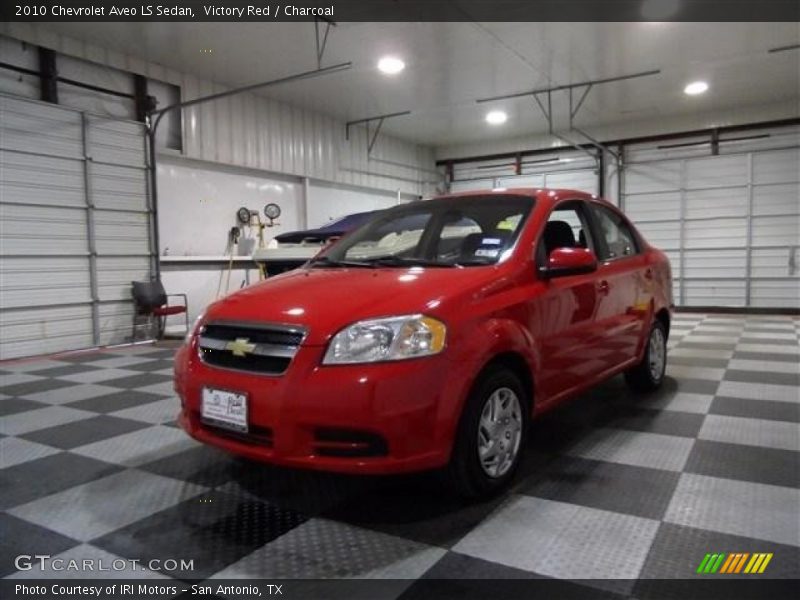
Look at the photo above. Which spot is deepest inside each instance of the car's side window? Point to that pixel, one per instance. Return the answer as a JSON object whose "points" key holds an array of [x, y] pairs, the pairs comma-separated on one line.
{"points": [[616, 238], [566, 227]]}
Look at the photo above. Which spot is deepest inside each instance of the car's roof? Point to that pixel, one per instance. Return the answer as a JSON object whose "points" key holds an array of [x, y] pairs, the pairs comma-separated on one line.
{"points": [[545, 195]]}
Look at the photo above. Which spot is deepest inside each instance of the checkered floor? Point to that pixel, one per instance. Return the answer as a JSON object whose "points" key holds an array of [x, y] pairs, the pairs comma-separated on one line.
{"points": [[614, 487]]}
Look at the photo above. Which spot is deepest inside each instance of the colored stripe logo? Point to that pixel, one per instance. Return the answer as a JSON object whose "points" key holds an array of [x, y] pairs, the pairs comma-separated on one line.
{"points": [[734, 563]]}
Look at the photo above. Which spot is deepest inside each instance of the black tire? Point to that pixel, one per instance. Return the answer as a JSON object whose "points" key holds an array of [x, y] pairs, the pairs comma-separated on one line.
{"points": [[642, 377], [465, 475]]}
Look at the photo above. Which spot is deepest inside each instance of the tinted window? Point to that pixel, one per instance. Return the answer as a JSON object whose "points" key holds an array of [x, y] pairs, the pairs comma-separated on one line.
{"points": [[616, 238], [446, 232]]}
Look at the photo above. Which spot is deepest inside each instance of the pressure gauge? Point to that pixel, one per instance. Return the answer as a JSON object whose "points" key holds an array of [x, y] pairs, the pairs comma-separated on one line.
{"points": [[272, 210], [243, 214]]}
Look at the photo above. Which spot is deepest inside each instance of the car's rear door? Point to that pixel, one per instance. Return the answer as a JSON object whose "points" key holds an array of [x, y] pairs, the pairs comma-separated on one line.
{"points": [[624, 285]]}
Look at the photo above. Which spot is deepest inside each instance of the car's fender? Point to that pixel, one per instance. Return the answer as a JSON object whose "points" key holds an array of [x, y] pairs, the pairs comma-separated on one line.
{"points": [[476, 348]]}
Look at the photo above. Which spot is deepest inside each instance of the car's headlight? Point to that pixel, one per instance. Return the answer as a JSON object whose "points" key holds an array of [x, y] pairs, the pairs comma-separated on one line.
{"points": [[389, 338], [193, 329]]}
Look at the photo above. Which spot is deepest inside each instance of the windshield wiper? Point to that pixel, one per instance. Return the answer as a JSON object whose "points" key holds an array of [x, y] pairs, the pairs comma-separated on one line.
{"points": [[400, 261], [326, 261], [474, 262]]}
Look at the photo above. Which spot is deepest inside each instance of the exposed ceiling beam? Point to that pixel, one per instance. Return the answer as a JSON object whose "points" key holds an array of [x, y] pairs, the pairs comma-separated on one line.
{"points": [[569, 86]]}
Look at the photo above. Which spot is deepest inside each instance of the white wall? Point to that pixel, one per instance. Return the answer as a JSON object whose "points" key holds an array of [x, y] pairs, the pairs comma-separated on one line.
{"points": [[197, 204], [251, 130], [328, 202]]}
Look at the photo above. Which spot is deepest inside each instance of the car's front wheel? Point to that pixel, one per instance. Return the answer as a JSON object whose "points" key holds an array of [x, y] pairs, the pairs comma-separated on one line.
{"points": [[491, 436], [649, 373]]}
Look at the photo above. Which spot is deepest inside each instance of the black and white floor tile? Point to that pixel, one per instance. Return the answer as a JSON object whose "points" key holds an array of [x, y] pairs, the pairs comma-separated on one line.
{"points": [[615, 486]]}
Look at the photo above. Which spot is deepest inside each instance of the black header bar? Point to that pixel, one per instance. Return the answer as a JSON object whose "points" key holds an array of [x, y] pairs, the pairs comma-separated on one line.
{"points": [[400, 10]]}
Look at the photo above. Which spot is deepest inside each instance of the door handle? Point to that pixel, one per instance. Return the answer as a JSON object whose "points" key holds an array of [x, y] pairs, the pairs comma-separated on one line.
{"points": [[603, 287]]}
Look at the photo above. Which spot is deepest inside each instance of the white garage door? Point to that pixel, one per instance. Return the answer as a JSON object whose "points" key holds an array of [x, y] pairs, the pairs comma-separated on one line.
{"points": [[75, 227], [569, 169], [729, 222]]}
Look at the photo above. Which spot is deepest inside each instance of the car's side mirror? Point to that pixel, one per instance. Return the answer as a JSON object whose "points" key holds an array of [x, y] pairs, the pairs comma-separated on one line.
{"points": [[568, 261]]}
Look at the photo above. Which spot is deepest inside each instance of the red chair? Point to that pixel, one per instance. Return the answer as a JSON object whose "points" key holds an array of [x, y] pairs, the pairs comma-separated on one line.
{"points": [[151, 300]]}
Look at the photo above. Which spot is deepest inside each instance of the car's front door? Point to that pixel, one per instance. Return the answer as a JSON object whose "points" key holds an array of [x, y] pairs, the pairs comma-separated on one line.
{"points": [[563, 311]]}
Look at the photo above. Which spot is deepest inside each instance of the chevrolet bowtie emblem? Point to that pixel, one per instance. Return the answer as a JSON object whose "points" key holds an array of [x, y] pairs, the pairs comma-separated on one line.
{"points": [[240, 346]]}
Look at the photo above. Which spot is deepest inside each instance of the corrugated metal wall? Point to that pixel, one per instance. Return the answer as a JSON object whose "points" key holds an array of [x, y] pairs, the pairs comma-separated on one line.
{"points": [[729, 222], [74, 227], [251, 130]]}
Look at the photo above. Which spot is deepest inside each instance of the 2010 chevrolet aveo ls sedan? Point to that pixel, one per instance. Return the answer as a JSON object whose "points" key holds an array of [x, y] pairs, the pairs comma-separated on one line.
{"points": [[429, 337]]}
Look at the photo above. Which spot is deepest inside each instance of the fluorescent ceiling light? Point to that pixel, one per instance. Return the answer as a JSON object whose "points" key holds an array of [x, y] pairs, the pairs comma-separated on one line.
{"points": [[496, 117], [695, 88], [391, 65]]}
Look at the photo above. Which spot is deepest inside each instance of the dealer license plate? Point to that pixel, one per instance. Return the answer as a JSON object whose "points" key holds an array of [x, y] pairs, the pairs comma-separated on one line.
{"points": [[224, 409]]}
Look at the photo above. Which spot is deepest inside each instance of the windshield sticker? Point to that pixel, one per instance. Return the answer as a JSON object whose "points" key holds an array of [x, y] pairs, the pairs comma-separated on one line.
{"points": [[487, 252]]}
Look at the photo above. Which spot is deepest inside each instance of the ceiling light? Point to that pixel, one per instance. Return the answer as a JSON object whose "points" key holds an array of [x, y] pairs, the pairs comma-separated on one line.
{"points": [[391, 65], [496, 117], [695, 88]]}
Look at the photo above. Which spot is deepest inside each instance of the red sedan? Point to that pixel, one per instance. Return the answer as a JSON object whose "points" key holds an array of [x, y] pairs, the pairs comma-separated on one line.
{"points": [[429, 337]]}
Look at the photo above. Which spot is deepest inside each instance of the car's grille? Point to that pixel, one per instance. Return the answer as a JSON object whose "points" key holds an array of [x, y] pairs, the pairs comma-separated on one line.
{"points": [[258, 348]]}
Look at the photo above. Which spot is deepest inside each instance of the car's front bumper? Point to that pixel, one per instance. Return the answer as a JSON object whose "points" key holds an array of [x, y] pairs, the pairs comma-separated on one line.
{"points": [[380, 418]]}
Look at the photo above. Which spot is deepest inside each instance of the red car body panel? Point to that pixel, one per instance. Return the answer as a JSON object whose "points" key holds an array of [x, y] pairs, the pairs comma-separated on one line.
{"points": [[571, 333]]}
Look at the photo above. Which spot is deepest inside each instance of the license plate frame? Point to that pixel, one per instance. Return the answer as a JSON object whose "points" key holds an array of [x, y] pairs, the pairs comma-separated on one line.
{"points": [[225, 409]]}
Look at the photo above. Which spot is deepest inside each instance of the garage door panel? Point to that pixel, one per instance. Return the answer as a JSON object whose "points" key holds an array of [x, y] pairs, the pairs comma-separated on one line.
{"points": [[523, 181], [468, 186], [716, 171], [718, 233], [117, 142], [661, 176], [28, 178], [665, 236], [42, 230], [714, 293], [116, 321], [662, 206], [774, 293], [776, 231], [28, 281], [47, 274], [776, 262], [740, 221], [39, 128], [115, 274], [121, 233], [715, 263], [584, 181], [121, 188], [708, 204], [777, 166], [30, 331], [780, 199]]}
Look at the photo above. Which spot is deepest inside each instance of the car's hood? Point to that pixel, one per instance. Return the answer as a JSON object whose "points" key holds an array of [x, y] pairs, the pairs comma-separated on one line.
{"points": [[324, 300]]}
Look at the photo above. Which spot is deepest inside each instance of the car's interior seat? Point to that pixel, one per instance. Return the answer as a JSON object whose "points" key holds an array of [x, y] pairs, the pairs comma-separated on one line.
{"points": [[558, 234]]}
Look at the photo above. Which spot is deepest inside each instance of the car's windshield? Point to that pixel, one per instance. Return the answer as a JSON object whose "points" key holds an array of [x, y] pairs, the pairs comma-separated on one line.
{"points": [[448, 232]]}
